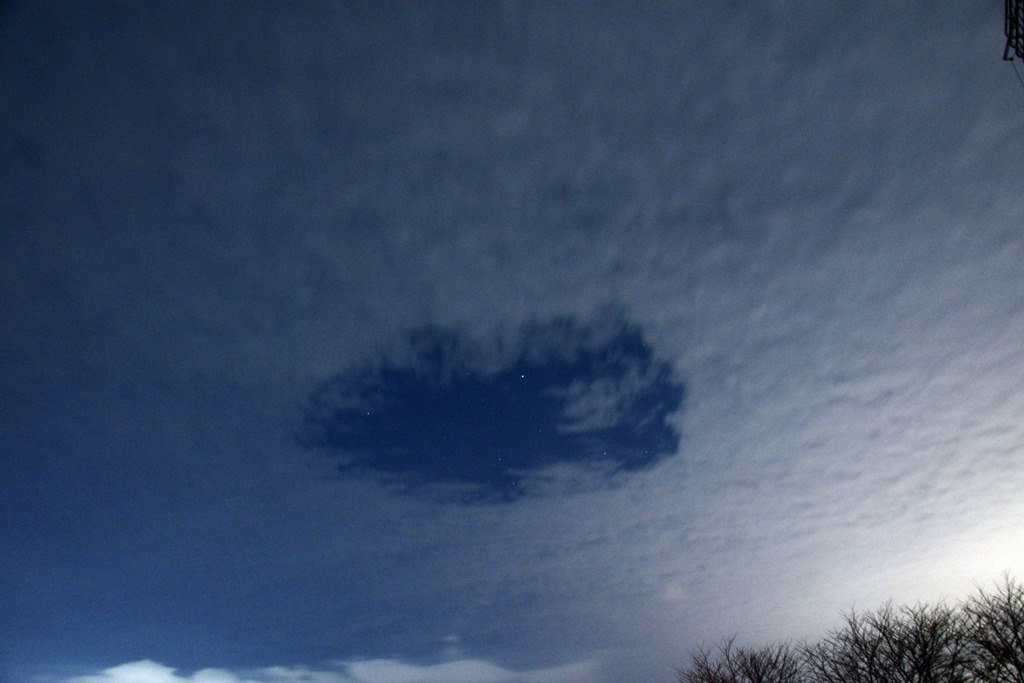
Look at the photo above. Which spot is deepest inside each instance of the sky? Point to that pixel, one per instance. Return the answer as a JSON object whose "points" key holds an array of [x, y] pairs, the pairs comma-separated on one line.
{"points": [[498, 342]]}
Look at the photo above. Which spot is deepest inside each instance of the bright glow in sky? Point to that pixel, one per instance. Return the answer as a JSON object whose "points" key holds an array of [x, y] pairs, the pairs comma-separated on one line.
{"points": [[669, 321]]}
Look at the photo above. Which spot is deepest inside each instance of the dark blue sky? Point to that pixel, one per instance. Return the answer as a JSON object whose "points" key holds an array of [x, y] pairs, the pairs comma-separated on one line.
{"points": [[765, 256], [569, 395]]}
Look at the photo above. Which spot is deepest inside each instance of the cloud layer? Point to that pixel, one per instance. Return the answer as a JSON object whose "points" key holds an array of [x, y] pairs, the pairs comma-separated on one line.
{"points": [[812, 212]]}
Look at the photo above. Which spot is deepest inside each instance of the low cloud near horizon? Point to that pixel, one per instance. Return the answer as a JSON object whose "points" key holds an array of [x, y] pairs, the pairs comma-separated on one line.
{"points": [[366, 671]]}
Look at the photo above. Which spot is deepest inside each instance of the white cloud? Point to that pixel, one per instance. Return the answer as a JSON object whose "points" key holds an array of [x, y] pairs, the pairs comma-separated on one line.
{"points": [[464, 671], [147, 671], [366, 671]]}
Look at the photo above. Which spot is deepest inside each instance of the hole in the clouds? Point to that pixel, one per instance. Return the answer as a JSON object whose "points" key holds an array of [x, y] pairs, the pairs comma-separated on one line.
{"points": [[564, 404]]}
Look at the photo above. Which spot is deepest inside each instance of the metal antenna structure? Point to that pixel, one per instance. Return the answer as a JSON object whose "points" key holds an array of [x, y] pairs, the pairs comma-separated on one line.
{"points": [[1014, 30]]}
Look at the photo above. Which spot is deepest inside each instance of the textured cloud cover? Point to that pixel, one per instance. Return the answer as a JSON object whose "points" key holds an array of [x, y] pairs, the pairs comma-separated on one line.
{"points": [[813, 213]]}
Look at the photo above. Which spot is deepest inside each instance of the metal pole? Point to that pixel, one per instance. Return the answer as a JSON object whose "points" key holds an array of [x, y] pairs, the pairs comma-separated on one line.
{"points": [[1014, 28]]}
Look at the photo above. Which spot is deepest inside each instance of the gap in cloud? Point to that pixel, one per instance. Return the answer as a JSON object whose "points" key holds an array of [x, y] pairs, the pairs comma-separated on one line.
{"points": [[565, 402]]}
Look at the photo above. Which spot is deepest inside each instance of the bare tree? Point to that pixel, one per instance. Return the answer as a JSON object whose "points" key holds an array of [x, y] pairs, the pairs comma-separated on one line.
{"points": [[729, 664], [981, 640], [995, 624], [919, 644]]}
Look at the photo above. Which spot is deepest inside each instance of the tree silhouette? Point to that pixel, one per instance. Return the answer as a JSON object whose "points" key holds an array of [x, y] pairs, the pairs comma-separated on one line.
{"points": [[980, 640], [995, 624], [729, 664], [918, 644]]}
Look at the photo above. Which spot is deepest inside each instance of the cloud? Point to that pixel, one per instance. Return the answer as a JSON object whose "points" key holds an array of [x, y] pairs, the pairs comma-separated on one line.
{"points": [[464, 671], [147, 671], [368, 671], [825, 239]]}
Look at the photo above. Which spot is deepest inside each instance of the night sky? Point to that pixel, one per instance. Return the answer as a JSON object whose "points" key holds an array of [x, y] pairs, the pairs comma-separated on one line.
{"points": [[497, 342]]}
